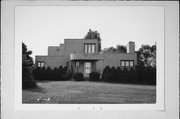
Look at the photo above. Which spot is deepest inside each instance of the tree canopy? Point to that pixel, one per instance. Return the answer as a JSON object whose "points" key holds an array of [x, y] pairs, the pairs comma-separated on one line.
{"points": [[27, 60], [27, 67], [94, 35], [147, 55], [118, 49]]}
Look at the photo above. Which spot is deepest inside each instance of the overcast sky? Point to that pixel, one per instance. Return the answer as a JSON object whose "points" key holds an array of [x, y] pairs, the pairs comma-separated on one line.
{"points": [[42, 26]]}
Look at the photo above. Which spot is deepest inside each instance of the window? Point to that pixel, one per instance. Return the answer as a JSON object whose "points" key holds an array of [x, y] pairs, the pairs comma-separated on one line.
{"points": [[77, 64], [122, 63], [89, 48], [93, 48], [127, 63], [131, 63], [40, 64], [86, 48], [87, 69]]}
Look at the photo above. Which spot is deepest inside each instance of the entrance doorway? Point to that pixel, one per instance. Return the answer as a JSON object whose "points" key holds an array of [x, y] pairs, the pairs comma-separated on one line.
{"points": [[87, 69]]}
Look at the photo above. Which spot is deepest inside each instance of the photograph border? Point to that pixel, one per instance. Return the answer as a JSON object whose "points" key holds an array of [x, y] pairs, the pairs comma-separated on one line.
{"points": [[159, 105]]}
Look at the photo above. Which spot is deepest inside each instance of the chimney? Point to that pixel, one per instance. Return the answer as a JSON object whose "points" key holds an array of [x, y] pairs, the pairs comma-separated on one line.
{"points": [[131, 47]]}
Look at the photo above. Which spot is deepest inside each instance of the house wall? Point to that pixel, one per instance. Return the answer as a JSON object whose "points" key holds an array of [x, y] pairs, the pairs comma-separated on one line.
{"points": [[76, 46], [60, 55], [51, 61], [113, 59], [53, 51], [61, 51]]}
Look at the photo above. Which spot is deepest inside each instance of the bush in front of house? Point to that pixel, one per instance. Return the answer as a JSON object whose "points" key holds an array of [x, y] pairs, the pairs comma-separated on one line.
{"points": [[56, 74], [29, 84], [106, 75], [94, 76], [131, 75], [78, 77], [113, 74], [119, 76], [27, 81]]}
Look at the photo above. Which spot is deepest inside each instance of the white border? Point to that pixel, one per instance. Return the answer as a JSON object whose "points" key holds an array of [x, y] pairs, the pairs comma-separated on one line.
{"points": [[159, 105], [9, 97]]}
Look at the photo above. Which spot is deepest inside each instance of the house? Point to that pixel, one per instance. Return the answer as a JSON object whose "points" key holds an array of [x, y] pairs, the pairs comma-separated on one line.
{"points": [[84, 57]]}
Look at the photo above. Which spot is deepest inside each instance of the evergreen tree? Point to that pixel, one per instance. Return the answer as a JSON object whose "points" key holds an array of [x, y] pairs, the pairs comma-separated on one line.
{"points": [[119, 75], [27, 68]]}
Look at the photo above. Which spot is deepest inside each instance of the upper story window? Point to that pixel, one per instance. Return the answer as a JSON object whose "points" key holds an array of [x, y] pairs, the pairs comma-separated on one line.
{"points": [[40, 64], [127, 63], [89, 48]]}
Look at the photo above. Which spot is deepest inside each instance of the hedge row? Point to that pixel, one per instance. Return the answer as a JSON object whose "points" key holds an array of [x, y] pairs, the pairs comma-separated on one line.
{"points": [[139, 74], [57, 74]]}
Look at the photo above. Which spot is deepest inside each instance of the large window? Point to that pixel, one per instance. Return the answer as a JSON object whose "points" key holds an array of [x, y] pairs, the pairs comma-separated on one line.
{"points": [[89, 48], [87, 69], [127, 63], [40, 64]]}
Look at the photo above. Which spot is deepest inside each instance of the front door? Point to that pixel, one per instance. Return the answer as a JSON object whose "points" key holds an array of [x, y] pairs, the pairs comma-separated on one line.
{"points": [[87, 69]]}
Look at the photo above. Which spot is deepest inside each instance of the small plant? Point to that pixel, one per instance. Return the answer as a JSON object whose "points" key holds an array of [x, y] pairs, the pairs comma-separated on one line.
{"points": [[78, 77], [94, 76]]}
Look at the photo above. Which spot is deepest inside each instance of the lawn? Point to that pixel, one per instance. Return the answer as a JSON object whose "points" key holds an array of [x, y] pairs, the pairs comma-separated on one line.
{"points": [[71, 92]]}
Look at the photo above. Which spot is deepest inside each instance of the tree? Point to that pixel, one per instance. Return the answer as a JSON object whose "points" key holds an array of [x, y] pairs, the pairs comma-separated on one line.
{"points": [[147, 56], [121, 49], [27, 67], [118, 49], [94, 35]]}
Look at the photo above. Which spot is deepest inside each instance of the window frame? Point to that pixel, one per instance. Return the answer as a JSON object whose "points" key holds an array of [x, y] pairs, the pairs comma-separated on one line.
{"points": [[39, 64], [88, 48], [129, 62]]}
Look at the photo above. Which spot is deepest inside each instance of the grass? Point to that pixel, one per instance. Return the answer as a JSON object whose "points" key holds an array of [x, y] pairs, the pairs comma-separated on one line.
{"points": [[71, 92]]}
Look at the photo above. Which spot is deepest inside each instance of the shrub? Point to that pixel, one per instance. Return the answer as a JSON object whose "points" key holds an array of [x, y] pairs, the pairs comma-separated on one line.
{"points": [[27, 81], [49, 74], [57, 74], [146, 75], [29, 84], [113, 75], [35, 73], [133, 75], [94, 76], [60, 73], [140, 70], [151, 73], [106, 76], [138, 74], [78, 77], [126, 76], [119, 76]]}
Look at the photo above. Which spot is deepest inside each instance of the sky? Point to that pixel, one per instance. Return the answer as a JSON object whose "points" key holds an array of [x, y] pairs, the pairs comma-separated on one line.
{"points": [[42, 26]]}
